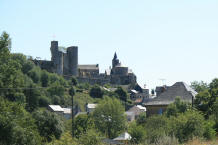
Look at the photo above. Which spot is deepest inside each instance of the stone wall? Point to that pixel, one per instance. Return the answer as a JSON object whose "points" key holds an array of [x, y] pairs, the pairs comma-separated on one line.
{"points": [[46, 65]]}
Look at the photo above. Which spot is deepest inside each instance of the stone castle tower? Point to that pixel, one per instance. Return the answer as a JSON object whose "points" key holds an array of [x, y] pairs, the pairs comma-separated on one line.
{"points": [[115, 61], [65, 62]]}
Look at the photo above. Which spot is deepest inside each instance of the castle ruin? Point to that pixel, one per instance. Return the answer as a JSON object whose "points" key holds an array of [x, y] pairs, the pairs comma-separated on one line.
{"points": [[65, 62]]}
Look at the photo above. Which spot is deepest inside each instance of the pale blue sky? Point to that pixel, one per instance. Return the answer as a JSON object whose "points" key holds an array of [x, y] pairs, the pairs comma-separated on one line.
{"points": [[172, 39]]}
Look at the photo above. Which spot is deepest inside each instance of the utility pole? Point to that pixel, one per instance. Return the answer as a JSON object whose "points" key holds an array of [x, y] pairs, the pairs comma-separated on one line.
{"points": [[72, 112], [72, 93]]}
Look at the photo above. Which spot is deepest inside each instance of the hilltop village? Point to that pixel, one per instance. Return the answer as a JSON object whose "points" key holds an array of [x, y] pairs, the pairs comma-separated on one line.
{"points": [[64, 62]]}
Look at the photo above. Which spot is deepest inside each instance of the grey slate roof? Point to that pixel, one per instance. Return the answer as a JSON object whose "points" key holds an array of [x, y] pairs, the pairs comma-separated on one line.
{"points": [[89, 66], [180, 89]]}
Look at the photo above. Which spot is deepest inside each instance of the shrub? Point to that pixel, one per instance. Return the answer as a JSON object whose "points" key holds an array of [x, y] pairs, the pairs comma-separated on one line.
{"points": [[91, 137], [209, 132], [187, 125], [166, 140], [137, 133], [96, 92], [157, 127], [141, 118]]}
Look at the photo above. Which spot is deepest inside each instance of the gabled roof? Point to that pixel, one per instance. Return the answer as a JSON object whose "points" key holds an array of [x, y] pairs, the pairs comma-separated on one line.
{"points": [[56, 108], [134, 91], [179, 89], [89, 66], [123, 136], [141, 107], [67, 110], [92, 106]]}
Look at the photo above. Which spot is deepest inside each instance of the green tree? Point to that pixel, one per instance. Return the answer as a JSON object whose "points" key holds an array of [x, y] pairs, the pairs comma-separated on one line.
{"points": [[10, 75], [205, 100], [74, 81], [44, 78], [122, 94], [141, 119], [34, 74], [56, 89], [177, 107], [157, 127], [214, 84], [209, 132], [199, 86], [137, 133], [49, 124], [32, 94], [109, 117], [96, 92], [27, 66], [186, 126], [16, 125], [81, 124]]}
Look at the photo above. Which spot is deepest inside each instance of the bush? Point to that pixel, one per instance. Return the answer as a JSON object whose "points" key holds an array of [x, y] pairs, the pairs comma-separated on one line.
{"points": [[177, 107], [96, 92], [81, 124], [122, 94], [210, 132], [141, 119], [187, 125], [91, 137], [166, 140], [74, 81], [44, 101], [157, 127], [137, 133]]}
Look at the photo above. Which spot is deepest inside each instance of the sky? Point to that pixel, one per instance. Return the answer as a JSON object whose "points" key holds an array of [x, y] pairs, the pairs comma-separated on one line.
{"points": [[175, 40]]}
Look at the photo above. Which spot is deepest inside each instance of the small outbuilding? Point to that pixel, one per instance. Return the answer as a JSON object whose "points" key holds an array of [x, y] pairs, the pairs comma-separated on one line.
{"points": [[124, 137]]}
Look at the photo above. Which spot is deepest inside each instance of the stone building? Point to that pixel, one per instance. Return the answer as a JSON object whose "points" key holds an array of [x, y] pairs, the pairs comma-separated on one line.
{"points": [[120, 74], [159, 104], [88, 70], [64, 61]]}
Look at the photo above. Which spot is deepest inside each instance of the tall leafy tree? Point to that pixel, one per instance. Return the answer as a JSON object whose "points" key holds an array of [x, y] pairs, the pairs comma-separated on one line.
{"points": [[199, 86], [122, 94], [49, 124], [16, 125], [109, 117], [205, 100], [82, 123], [11, 76]]}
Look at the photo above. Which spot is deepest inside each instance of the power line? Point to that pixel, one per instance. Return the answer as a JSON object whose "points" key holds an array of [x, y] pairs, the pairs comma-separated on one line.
{"points": [[23, 88]]}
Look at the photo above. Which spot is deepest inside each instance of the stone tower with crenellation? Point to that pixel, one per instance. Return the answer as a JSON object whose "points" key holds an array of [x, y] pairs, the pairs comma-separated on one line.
{"points": [[65, 62], [57, 57]]}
